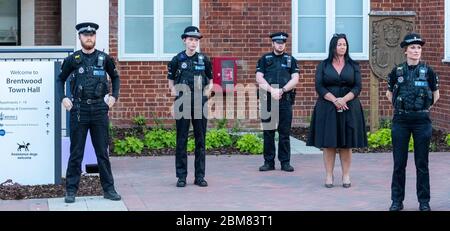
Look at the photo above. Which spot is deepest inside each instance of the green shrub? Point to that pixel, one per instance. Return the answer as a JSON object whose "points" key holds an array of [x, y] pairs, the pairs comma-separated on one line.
{"points": [[217, 138], [120, 147], [411, 144], [380, 139], [129, 145], [190, 144], [140, 121], [236, 126], [448, 139], [433, 147], [385, 123], [157, 121], [250, 143], [112, 131], [159, 138], [222, 123]]}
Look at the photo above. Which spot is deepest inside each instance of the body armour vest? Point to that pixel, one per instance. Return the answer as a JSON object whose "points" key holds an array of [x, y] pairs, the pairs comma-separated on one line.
{"points": [[277, 70], [90, 80], [191, 71], [411, 91]]}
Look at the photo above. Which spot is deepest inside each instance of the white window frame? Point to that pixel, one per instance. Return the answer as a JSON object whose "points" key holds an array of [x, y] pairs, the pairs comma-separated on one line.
{"points": [[447, 31], [330, 30], [158, 15]]}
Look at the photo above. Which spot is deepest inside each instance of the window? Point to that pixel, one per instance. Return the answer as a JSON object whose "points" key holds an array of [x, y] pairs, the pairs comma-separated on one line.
{"points": [[447, 31], [9, 23], [315, 21], [149, 30]]}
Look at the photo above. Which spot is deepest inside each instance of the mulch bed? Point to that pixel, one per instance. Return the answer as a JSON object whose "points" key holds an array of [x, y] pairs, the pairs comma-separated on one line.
{"points": [[89, 186]]}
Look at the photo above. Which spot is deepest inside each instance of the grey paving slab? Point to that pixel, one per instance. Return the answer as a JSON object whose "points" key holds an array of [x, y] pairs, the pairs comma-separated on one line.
{"points": [[97, 203], [299, 147]]}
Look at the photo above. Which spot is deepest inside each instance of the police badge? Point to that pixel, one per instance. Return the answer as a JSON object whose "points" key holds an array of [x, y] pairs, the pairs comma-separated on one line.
{"points": [[81, 70], [184, 65], [400, 79]]}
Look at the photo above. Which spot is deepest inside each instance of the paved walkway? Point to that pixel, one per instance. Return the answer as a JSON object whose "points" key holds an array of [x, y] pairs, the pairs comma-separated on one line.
{"points": [[148, 183]]}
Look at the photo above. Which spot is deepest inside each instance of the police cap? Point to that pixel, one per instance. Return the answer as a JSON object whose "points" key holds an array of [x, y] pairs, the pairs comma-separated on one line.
{"points": [[191, 31], [279, 37], [411, 38], [87, 28]]}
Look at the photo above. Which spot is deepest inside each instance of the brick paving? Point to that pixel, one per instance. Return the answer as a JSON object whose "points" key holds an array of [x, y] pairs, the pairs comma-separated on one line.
{"points": [[148, 183]]}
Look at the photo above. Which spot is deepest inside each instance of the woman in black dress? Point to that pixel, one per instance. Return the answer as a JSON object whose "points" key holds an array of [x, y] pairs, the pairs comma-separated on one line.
{"points": [[338, 123]]}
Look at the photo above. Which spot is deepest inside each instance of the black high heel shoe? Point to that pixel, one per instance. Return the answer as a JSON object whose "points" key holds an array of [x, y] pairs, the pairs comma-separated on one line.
{"points": [[346, 185], [330, 185]]}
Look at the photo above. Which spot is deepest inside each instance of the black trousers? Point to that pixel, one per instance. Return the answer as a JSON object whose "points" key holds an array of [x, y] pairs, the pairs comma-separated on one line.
{"points": [[284, 131], [93, 118], [419, 125], [182, 126]]}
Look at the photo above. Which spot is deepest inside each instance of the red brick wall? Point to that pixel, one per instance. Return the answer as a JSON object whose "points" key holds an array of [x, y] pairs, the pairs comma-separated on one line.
{"points": [[47, 26], [241, 29]]}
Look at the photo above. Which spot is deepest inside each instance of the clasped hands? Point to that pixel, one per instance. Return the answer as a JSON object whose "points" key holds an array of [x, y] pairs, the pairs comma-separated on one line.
{"points": [[276, 93], [340, 104]]}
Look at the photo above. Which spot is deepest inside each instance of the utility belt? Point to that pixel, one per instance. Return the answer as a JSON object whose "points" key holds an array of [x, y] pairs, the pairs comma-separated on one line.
{"points": [[402, 111], [286, 97], [199, 83], [88, 101]]}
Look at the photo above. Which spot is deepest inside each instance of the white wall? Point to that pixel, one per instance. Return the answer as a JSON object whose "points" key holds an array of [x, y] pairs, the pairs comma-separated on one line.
{"points": [[94, 11]]}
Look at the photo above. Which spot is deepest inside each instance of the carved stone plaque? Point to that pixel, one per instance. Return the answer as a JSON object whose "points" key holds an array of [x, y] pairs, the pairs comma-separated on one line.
{"points": [[387, 30]]}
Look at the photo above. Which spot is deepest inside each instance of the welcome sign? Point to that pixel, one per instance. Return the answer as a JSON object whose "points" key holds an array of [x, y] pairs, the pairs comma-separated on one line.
{"points": [[30, 123]]}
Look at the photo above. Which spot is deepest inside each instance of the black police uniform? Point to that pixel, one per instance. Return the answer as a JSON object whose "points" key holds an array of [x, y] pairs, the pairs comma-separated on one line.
{"points": [[89, 85], [277, 69], [412, 88], [195, 73]]}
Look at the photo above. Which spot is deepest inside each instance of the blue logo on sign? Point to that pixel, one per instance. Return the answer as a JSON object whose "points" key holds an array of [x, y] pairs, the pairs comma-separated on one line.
{"points": [[2, 132]]}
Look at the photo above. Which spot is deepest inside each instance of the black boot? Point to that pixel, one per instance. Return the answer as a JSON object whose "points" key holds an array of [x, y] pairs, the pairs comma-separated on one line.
{"points": [[287, 167], [266, 167], [112, 195], [396, 206], [201, 182], [69, 197], [181, 182], [424, 206]]}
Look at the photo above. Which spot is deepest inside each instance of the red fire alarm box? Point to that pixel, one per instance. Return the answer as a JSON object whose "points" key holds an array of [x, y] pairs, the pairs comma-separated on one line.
{"points": [[225, 73]]}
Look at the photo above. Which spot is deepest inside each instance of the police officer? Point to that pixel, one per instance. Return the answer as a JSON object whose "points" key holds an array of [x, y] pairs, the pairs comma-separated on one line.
{"points": [[412, 89], [277, 75], [189, 74], [88, 105]]}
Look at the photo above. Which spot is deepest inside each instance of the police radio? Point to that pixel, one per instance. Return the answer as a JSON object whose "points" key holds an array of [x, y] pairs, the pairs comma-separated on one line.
{"points": [[100, 60], [288, 61]]}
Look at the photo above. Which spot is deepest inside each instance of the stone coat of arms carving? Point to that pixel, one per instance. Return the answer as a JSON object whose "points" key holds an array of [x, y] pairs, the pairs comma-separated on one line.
{"points": [[386, 34]]}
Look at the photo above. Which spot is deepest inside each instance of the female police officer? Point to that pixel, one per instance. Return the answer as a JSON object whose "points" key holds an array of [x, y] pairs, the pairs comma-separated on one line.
{"points": [[412, 89], [189, 74]]}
